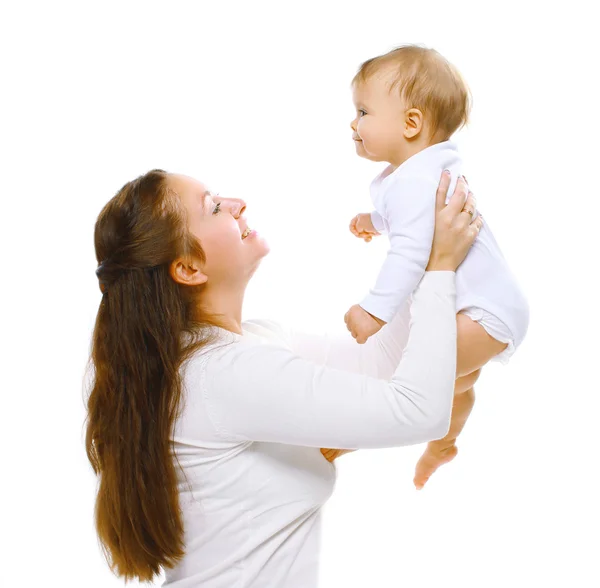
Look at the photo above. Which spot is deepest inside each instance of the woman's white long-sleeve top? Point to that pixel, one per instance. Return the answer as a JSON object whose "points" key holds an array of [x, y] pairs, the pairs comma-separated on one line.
{"points": [[257, 407]]}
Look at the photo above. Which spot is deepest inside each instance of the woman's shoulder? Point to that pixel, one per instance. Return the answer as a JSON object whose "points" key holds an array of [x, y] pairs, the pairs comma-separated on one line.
{"points": [[225, 346], [262, 340], [268, 330]]}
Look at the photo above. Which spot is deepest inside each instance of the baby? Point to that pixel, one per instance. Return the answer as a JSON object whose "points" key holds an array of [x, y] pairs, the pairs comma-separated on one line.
{"points": [[409, 102]]}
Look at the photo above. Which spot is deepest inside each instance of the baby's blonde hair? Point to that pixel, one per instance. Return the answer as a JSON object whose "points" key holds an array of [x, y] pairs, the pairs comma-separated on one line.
{"points": [[427, 81]]}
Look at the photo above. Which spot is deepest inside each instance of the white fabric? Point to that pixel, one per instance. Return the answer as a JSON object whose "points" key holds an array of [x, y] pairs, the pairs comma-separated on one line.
{"points": [[404, 201], [258, 407]]}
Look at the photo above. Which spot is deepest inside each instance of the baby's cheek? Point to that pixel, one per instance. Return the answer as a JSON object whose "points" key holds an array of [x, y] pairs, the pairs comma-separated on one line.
{"points": [[367, 137], [368, 147]]}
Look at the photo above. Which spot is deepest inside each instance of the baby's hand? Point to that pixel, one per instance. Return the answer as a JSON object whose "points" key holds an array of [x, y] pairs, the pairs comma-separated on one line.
{"points": [[361, 226], [362, 324]]}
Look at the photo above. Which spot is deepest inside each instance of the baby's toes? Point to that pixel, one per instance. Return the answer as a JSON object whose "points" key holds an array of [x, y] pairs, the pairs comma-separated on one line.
{"points": [[423, 470]]}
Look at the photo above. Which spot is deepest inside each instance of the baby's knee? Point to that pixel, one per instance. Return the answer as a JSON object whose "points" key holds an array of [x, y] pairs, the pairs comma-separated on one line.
{"points": [[464, 383]]}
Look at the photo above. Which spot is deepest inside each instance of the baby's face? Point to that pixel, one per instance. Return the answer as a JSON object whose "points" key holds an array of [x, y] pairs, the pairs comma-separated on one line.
{"points": [[378, 129]]}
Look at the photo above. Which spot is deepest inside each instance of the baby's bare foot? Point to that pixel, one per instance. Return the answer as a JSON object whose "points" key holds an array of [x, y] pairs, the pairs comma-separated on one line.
{"points": [[430, 461]]}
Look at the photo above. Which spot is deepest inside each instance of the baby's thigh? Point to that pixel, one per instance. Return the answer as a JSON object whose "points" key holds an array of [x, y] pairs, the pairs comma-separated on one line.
{"points": [[475, 346]]}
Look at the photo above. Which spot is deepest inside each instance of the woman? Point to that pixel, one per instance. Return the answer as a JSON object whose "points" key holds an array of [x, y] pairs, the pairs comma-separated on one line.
{"points": [[205, 431]]}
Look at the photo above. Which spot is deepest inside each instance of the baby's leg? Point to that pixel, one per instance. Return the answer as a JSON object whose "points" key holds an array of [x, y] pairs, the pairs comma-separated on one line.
{"points": [[475, 346], [466, 383], [444, 450]]}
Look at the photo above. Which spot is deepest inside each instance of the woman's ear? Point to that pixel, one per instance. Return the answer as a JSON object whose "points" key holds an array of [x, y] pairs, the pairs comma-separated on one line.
{"points": [[187, 273], [413, 123]]}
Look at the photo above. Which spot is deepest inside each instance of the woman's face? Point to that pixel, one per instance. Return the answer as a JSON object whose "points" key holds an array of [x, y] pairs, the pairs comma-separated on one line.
{"points": [[232, 252]]}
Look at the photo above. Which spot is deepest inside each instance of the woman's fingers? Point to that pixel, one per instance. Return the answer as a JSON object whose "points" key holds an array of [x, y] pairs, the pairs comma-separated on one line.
{"points": [[466, 223], [471, 232], [467, 214], [442, 191], [469, 205], [457, 200], [476, 226], [331, 454]]}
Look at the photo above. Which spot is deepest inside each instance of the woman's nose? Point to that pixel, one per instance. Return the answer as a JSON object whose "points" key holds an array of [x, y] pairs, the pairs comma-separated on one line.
{"points": [[236, 206]]}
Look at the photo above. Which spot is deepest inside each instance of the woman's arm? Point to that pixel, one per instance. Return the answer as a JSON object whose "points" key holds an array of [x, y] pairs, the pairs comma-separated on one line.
{"points": [[267, 393], [377, 358]]}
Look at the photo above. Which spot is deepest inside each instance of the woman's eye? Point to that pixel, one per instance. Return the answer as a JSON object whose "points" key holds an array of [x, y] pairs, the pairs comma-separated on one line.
{"points": [[217, 208]]}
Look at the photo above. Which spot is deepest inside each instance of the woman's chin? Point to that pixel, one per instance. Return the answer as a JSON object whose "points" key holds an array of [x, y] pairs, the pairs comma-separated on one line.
{"points": [[260, 246], [264, 251]]}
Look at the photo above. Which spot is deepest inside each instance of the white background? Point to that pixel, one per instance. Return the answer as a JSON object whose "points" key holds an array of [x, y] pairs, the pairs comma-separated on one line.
{"points": [[253, 99]]}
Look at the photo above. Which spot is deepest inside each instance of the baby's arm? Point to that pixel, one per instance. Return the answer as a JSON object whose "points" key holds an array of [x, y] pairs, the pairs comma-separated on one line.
{"points": [[410, 212], [377, 221]]}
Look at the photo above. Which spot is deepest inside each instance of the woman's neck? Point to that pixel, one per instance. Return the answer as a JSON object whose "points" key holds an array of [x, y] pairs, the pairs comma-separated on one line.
{"points": [[225, 305]]}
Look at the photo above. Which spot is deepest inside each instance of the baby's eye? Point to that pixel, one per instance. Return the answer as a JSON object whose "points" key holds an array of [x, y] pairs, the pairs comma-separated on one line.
{"points": [[362, 112], [217, 208]]}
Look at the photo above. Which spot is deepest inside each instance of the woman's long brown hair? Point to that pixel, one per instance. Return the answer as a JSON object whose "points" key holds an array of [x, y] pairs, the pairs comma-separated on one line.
{"points": [[147, 326]]}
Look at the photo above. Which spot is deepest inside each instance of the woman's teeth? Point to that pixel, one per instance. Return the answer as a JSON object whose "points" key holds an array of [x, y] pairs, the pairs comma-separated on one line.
{"points": [[246, 233]]}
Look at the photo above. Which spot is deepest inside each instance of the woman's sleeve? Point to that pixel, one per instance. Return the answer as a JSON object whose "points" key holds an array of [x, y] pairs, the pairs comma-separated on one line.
{"points": [[378, 357], [268, 393]]}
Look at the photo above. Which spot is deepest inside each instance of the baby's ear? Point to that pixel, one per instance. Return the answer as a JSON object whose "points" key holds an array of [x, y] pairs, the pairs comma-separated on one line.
{"points": [[413, 123]]}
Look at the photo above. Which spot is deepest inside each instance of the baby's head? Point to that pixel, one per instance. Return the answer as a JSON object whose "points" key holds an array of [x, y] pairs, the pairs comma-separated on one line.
{"points": [[406, 100]]}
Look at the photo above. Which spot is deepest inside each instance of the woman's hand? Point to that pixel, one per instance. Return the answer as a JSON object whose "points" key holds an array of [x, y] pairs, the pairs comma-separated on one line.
{"points": [[331, 454], [455, 228]]}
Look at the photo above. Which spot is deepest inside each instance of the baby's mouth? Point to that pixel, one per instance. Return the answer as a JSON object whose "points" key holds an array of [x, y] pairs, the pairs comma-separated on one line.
{"points": [[246, 233]]}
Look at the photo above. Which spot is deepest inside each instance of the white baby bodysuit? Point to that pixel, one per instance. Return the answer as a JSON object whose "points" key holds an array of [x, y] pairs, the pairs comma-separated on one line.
{"points": [[404, 202]]}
